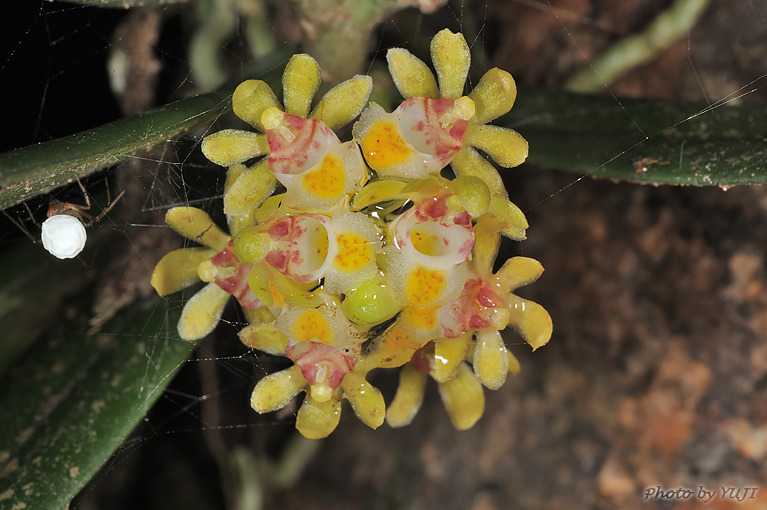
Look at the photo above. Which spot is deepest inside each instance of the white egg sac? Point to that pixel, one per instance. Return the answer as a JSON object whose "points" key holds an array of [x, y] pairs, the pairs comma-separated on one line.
{"points": [[63, 236]]}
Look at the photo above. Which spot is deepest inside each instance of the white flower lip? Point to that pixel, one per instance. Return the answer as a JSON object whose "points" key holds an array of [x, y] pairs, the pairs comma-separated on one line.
{"points": [[63, 236]]}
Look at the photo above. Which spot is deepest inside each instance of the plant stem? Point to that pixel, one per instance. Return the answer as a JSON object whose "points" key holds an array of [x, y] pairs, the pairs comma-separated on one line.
{"points": [[640, 48], [338, 32]]}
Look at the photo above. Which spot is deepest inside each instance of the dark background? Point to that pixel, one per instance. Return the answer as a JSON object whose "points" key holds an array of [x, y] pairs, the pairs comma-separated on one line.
{"points": [[657, 370]]}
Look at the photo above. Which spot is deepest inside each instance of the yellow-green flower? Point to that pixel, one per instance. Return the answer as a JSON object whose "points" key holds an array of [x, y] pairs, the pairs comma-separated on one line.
{"points": [[307, 247], [325, 348], [317, 419], [317, 170], [418, 139], [252, 98], [486, 306], [429, 244], [527, 318], [462, 396], [493, 96], [215, 264], [343, 275]]}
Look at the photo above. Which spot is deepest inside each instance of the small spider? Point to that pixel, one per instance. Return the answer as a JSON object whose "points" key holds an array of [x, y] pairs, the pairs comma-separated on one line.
{"points": [[63, 232], [645, 164]]}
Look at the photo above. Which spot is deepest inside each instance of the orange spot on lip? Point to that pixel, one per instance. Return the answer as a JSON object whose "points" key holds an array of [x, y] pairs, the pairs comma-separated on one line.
{"points": [[422, 317], [383, 146], [424, 285], [328, 181], [312, 325], [354, 252]]}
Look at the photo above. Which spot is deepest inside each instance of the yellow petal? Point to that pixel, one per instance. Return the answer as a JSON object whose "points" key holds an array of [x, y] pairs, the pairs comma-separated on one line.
{"points": [[254, 316], [382, 144], [300, 82], [514, 221], [178, 269], [328, 181], [268, 208], [473, 194], [422, 321], [491, 361], [470, 162], [449, 354], [487, 240], [377, 191], [505, 146], [408, 399], [231, 146], [295, 294], [196, 225], [393, 348], [412, 77], [517, 272], [258, 281], [366, 400], [274, 391], [358, 241], [514, 366], [264, 337], [259, 315], [316, 420], [202, 312], [493, 96], [249, 189], [250, 99], [246, 217], [344, 102], [463, 398], [451, 57], [530, 320], [306, 325]]}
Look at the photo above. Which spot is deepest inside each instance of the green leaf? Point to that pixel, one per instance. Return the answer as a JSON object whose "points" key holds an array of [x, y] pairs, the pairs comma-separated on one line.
{"points": [[36, 169], [27, 298], [643, 140], [72, 400]]}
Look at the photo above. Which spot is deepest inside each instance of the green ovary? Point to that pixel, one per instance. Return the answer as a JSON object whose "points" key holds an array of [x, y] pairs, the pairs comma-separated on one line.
{"points": [[370, 303]]}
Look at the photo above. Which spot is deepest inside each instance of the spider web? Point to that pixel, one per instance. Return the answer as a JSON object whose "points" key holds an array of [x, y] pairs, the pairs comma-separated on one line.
{"points": [[189, 441]]}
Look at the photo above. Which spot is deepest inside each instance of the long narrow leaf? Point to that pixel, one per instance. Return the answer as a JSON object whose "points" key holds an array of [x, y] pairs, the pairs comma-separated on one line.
{"points": [[640, 140], [36, 169], [27, 297], [658, 160], [72, 400]]}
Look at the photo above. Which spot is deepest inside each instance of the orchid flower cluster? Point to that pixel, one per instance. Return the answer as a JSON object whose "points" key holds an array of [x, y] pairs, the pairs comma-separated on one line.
{"points": [[347, 257]]}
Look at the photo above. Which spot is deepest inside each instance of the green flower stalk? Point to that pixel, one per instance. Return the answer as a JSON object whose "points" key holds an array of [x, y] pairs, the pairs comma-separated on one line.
{"points": [[353, 256]]}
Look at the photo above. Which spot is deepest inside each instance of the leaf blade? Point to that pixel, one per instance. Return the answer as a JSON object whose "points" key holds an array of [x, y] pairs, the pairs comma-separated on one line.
{"points": [[36, 169], [76, 398], [643, 140]]}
